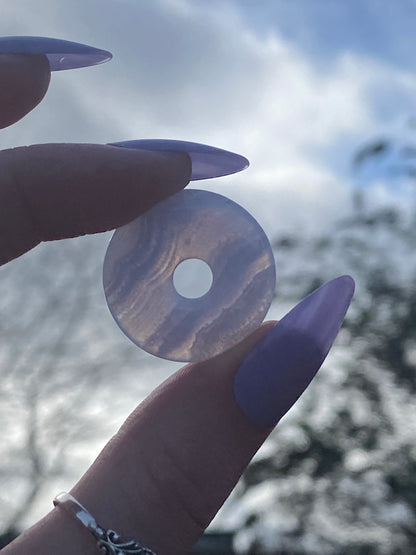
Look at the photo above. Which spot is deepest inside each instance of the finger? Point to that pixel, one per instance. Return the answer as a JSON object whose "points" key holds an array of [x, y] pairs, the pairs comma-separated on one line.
{"points": [[54, 191], [180, 454], [167, 472], [24, 80]]}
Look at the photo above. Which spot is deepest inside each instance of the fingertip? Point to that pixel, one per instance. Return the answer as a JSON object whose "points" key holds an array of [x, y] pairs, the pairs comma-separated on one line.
{"points": [[24, 82], [57, 191], [173, 167]]}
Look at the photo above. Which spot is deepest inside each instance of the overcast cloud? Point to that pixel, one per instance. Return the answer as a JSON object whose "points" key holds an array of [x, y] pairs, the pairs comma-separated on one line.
{"points": [[224, 74]]}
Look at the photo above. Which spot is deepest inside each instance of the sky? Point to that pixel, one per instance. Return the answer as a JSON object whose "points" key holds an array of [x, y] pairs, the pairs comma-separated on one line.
{"points": [[296, 86]]}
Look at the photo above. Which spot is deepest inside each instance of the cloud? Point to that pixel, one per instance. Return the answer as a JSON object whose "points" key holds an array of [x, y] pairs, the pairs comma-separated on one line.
{"points": [[183, 69]]}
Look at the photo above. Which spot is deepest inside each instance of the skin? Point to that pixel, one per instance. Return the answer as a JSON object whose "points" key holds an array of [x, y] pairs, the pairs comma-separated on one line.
{"points": [[162, 478]]}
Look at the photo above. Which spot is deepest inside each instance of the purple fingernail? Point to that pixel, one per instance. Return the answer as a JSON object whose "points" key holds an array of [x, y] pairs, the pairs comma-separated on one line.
{"points": [[62, 54], [281, 366], [207, 161]]}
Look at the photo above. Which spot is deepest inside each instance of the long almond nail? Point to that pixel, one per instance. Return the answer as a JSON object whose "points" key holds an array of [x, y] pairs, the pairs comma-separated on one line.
{"points": [[62, 54], [281, 366]]}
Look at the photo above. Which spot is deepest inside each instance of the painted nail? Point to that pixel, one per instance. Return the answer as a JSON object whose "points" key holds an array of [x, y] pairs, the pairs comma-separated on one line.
{"points": [[62, 54], [207, 161], [281, 366]]}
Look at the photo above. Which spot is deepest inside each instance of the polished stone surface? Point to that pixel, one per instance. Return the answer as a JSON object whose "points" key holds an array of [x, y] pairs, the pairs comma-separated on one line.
{"points": [[141, 259], [207, 161]]}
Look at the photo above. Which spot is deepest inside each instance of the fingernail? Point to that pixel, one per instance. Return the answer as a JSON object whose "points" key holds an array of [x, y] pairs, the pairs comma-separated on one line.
{"points": [[207, 161], [62, 54], [281, 366]]}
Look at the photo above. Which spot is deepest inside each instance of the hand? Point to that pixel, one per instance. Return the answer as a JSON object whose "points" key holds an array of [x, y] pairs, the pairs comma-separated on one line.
{"points": [[166, 473]]}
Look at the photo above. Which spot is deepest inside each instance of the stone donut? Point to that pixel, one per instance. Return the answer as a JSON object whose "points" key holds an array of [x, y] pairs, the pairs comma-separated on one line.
{"points": [[143, 255]]}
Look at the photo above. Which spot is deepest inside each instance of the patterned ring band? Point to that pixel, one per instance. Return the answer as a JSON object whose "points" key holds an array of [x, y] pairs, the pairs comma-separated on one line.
{"points": [[108, 541]]}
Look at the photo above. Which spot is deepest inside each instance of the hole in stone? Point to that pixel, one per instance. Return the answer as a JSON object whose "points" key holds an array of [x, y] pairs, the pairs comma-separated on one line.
{"points": [[192, 278]]}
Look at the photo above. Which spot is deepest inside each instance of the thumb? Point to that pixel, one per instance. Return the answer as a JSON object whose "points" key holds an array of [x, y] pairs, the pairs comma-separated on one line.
{"points": [[24, 80]]}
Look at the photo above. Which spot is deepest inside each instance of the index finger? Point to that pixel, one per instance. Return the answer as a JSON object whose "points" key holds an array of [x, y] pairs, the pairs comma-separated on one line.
{"points": [[55, 191]]}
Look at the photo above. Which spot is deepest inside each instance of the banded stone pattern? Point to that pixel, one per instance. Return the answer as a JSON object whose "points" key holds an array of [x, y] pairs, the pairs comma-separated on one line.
{"points": [[141, 260]]}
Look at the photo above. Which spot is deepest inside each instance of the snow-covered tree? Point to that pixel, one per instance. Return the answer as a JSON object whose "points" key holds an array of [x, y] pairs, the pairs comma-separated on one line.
{"points": [[339, 473], [62, 364]]}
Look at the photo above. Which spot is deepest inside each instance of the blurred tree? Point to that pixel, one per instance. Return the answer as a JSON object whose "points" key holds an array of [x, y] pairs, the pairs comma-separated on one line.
{"points": [[214, 543], [60, 363], [339, 473]]}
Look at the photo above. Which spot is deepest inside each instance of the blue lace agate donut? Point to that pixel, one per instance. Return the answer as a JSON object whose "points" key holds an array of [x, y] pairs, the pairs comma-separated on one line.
{"points": [[143, 255]]}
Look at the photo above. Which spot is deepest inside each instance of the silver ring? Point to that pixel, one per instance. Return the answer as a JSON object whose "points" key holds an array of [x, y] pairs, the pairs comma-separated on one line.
{"points": [[108, 541]]}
